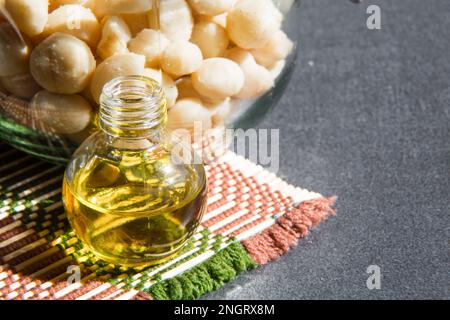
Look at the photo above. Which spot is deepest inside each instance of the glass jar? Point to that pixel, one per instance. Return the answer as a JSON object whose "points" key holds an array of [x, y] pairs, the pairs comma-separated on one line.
{"points": [[49, 95], [128, 196]]}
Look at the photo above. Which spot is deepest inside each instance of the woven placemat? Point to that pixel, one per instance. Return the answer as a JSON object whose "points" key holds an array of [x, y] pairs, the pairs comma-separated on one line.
{"points": [[253, 217]]}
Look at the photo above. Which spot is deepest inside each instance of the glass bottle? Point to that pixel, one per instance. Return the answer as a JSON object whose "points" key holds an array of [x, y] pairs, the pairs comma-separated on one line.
{"points": [[130, 199]]}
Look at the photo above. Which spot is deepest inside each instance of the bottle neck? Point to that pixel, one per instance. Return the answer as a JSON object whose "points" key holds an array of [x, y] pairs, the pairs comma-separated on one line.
{"points": [[133, 107]]}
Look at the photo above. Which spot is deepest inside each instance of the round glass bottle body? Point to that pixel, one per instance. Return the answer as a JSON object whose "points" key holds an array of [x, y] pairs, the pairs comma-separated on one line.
{"points": [[129, 198]]}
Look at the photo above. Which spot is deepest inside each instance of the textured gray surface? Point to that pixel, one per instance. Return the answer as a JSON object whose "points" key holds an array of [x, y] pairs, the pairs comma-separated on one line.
{"points": [[366, 117]]}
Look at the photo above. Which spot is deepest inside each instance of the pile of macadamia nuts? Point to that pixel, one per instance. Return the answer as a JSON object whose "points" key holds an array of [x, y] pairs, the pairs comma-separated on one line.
{"points": [[207, 54]]}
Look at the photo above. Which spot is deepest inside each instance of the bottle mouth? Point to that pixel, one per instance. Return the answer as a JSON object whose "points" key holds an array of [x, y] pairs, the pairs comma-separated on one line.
{"points": [[132, 107]]}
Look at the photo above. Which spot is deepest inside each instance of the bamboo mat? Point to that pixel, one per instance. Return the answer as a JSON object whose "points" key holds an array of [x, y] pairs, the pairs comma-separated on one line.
{"points": [[253, 217]]}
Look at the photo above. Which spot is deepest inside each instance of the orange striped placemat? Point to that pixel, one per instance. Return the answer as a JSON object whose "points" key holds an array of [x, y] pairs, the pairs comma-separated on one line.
{"points": [[253, 217]]}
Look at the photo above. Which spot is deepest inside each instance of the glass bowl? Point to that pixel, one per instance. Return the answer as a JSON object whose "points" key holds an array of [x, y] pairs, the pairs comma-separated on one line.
{"points": [[22, 126]]}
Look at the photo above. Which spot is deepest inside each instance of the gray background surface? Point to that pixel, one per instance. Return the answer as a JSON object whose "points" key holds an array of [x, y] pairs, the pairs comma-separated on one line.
{"points": [[366, 117]]}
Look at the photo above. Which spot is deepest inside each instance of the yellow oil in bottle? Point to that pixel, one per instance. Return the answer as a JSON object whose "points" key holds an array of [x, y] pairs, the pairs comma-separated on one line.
{"points": [[129, 199], [135, 212]]}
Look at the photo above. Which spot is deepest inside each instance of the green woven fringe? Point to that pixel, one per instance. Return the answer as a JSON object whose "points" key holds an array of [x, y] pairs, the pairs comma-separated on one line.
{"points": [[208, 276]]}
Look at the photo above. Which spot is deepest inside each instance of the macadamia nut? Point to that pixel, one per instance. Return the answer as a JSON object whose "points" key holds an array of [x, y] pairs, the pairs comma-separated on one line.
{"points": [[20, 85], [212, 7], [14, 52], [211, 38], [258, 80], [62, 64], [150, 43], [277, 48], [181, 58], [29, 15], [176, 21], [186, 112], [218, 78], [115, 36], [60, 113], [115, 66], [76, 20], [251, 23]]}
